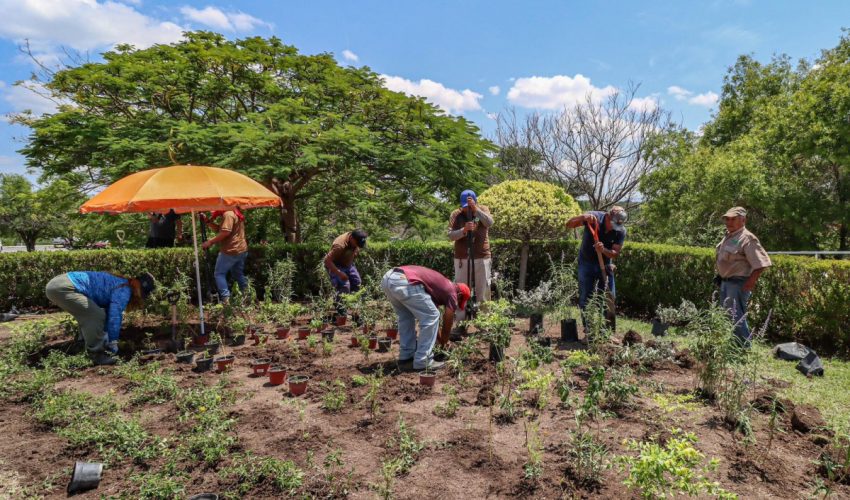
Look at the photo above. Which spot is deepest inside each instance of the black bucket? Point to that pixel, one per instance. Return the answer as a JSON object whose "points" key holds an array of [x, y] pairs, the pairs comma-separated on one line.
{"points": [[659, 329], [535, 324], [86, 477], [569, 330]]}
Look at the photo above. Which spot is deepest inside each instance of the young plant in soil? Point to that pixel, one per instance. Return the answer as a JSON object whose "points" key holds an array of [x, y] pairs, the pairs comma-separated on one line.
{"points": [[508, 397], [533, 467], [711, 344], [458, 357], [676, 467], [363, 345], [539, 385], [588, 457], [596, 329], [450, 407], [372, 398], [335, 396]]}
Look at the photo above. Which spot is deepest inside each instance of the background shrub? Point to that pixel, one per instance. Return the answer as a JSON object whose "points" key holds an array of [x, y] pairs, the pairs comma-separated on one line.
{"points": [[810, 298]]}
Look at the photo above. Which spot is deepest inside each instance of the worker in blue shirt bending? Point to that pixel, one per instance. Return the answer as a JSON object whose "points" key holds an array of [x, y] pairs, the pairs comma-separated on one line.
{"points": [[97, 301]]}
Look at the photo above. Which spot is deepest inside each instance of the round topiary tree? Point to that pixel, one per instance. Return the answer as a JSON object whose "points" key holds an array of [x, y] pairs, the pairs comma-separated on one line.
{"points": [[528, 210]]}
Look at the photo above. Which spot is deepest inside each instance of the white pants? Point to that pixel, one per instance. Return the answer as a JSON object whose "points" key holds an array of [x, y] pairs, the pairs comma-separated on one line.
{"points": [[482, 280]]}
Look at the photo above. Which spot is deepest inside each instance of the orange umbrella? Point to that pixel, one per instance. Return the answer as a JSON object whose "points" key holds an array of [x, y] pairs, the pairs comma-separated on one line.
{"points": [[183, 188]]}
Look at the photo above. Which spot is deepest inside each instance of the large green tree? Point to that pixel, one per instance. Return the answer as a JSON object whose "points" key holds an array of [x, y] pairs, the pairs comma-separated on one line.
{"points": [[778, 145], [331, 141], [31, 213]]}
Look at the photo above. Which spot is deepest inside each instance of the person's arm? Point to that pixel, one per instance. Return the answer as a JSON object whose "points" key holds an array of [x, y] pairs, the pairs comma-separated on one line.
{"points": [[611, 254], [222, 235], [579, 220], [750, 284], [115, 312], [455, 234], [329, 263], [448, 319], [484, 216], [212, 225]]}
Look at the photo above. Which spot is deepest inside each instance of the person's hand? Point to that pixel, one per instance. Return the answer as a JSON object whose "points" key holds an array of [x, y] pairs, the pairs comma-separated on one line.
{"points": [[591, 219], [206, 244], [599, 246], [748, 286], [469, 226], [470, 202]]}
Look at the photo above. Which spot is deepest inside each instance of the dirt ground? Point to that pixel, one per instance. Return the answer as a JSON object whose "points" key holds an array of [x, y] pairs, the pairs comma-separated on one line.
{"points": [[468, 456]]}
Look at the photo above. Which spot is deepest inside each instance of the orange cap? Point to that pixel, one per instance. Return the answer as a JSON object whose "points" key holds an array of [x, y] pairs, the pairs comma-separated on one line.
{"points": [[463, 294]]}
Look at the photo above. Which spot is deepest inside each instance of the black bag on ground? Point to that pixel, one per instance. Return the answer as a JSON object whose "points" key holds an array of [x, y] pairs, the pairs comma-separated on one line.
{"points": [[811, 365], [791, 351]]}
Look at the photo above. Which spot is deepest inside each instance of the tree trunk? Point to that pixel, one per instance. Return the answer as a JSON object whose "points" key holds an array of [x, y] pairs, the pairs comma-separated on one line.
{"points": [[288, 216], [523, 264], [29, 240]]}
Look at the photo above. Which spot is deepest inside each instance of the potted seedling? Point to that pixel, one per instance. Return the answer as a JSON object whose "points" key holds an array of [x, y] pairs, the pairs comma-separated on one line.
{"points": [[277, 375], [534, 304], [185, 357], [260, 366], [298, 384], [495, 324], [340, 319], [355, 340], [238, 326], [384, 344], [214, 344], [427, 378], [373, 342], [224, 363], [303, 332], [316, 324], [149, 346], [363, 344], [328, 335], [392, 332], [203, 362]]}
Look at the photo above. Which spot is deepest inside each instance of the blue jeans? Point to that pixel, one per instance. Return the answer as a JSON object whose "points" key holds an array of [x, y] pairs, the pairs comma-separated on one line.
{"points": [[235, 264], [734, 299], [412, 303], [590, 280]]}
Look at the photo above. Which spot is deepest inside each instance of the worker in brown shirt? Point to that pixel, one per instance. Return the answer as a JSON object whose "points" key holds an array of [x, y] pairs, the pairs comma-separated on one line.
{"points": [[740, 260], [233, 249], [339, 262], [475, 219]]}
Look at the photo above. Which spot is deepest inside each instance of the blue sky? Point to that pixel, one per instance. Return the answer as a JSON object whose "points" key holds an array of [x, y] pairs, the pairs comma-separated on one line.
{"points": [[472, 58]]}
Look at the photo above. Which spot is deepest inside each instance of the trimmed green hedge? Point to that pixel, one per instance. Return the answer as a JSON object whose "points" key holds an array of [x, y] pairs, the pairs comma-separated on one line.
{"points": [[810, 298]]}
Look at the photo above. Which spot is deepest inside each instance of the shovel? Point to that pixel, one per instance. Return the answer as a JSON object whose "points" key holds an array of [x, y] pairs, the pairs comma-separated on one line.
{"points": [[610, 305]]}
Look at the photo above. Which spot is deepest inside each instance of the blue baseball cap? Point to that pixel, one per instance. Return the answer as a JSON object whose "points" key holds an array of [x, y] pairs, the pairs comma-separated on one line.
{"points": [[466, 194]]}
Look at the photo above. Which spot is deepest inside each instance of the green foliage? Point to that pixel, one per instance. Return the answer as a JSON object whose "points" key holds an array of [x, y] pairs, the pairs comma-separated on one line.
{"points": [[450, 407], [251, 471], [539, 384], [334, 398], [207, 100], [529, 210], [810, 298], [675, 468], [32, 214], [159, 485], [533, 467], [147, 383], [712, 345], [579, 359], [210, 436], [406, 447], [588, 457], [494, 323]]}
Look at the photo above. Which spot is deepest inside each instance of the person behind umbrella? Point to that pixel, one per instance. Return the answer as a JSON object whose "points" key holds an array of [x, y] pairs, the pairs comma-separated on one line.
{"points": [[415, 293], [339, 262], [164, 229], [233, 249], [97, 301]]}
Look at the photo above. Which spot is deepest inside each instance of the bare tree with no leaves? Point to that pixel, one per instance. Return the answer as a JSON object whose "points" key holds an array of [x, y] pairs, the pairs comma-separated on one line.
{"points": [[596, 149]]}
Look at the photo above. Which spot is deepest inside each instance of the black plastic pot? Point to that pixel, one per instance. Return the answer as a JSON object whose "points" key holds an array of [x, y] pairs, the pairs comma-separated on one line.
{"points": [[212, 348], [535, 323], [659, 329], [542, 341], [185, 357], [497, 353], [328, 335], [203, 365], [150, 352], [86, 477], [237, 340], [384, 344], [204, 496], [569, 330]]}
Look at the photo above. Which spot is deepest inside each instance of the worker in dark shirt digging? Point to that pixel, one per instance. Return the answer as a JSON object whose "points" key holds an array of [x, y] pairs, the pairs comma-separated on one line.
{"points": [[339, 261], [415, 293]]}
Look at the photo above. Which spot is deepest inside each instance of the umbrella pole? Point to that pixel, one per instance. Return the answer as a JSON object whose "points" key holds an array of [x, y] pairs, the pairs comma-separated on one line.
{"points": [[198, 272]]}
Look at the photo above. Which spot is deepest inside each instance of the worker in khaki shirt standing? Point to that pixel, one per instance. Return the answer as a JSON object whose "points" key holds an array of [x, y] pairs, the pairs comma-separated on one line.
{"points": [[740, 261], [232, 252]]}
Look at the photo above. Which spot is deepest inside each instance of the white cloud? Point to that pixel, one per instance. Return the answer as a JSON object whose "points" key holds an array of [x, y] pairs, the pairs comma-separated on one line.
{"points": [[451, 100], [218, 19], [29, 96], [82, 25], [350, 56], [706, 99], [647, 104], [555, 92], [679, 93], [494, 90]]}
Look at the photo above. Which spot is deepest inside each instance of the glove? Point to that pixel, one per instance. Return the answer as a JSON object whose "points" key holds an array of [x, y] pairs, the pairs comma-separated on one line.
{"points": [[111, 347]]}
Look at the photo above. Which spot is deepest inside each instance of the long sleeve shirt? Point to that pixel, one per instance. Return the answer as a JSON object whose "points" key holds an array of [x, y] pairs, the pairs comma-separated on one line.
{"points": [[107, 291]]}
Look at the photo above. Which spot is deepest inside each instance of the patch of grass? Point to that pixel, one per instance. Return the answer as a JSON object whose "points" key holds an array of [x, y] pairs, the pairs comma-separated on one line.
{"points": [[252, 470], [158, 485], [334, 397], [211, 436], [148, 384]]}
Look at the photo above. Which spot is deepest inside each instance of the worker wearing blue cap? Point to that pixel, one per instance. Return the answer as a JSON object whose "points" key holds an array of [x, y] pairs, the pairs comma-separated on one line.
{"points": [[476, 219]]}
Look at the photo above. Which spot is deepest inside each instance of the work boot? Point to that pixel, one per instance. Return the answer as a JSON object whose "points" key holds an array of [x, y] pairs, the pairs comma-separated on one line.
{"points": [[405, 365], [101, 358], [432, 367]]}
